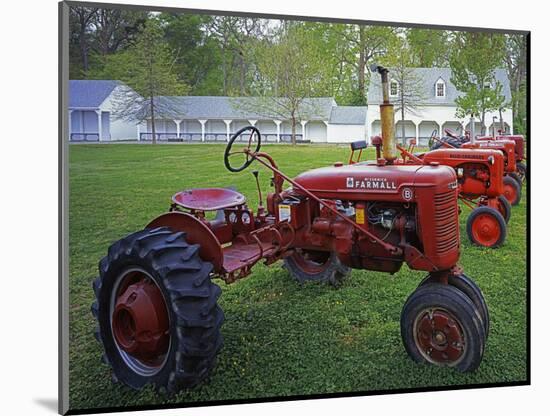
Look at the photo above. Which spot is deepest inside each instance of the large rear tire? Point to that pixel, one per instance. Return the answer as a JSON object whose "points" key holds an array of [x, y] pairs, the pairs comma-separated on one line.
{"points": [[512, 190], [157, 312], [440, 325], [316, 266]]}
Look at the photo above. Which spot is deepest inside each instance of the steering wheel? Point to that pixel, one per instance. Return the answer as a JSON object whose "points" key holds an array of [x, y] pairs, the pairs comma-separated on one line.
{"points": [[450, 133], [432, 137], [246, 151]]}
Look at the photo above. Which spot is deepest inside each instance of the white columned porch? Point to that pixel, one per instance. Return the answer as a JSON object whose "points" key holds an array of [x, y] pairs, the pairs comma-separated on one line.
{"points": [[416, 132], [228, 128], [177, 128], [440, 125], [70, 123], [303, 123], [278, 124], [138, 131], [99, 129], [203, 128]]}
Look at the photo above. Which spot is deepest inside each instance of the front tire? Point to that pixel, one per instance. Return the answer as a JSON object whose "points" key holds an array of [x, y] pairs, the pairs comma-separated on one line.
{"points": [[512, 190], [317, 266], [515, 176], [157, 312], [470, 289], [440, 326], [486, 227], [504, 207], [522, 171]]}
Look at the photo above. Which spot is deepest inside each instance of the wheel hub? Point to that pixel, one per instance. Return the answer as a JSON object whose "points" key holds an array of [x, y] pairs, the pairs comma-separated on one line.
{"points": [[486, 229], [439, 337], [140, 321]]}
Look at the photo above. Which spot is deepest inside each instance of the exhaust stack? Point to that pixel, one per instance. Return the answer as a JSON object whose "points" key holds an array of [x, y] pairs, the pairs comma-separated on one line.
{"points": [[389, 150]]}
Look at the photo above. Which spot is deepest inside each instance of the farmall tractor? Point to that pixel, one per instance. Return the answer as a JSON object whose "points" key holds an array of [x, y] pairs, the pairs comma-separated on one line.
{"points": [[513, 178], [157, 305]]}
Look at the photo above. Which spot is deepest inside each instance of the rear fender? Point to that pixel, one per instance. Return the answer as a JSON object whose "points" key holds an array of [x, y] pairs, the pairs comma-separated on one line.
{"points": [[196, 233]]}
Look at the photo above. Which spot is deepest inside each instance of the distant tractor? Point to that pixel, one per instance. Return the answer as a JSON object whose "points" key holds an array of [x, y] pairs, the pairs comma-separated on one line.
{"points": [[511, 149], [480, 185], [156, 305]]}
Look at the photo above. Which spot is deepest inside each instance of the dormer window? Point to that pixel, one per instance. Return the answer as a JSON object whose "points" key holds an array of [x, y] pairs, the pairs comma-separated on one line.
{"points": [[440, 88], [394, 88]]}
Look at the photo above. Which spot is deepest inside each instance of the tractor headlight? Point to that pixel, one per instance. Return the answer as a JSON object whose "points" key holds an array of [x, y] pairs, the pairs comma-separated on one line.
{"points": [[491, 160]]}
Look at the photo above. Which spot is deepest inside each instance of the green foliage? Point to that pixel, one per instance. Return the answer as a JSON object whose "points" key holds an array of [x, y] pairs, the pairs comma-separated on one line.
{"points": [[474, 58], [410, 86], [198, 54], [428, 47], [280, 338], [217, 55], [289, 71]]}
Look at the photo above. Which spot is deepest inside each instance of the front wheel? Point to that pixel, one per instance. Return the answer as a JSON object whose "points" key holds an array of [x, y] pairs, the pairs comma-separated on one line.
{"points": [[440, 326], [504, 207], [486, 227], [512, 190], [522, 171], [516, 176], [318, 266], [467, 286], [157, 312]]}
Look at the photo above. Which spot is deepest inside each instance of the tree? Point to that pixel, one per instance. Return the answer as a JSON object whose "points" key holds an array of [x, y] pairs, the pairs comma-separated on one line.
{"points": [[236, 35], [198, 54], [97, 32], [428, 47], [367, 44], [115, 29], [288, 71], [410, 86], [474, 58], [147, 69], [80, 19], [515, 60]]}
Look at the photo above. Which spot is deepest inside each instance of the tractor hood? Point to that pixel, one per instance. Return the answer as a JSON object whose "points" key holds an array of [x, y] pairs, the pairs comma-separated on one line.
{"points": [[360, 181]]}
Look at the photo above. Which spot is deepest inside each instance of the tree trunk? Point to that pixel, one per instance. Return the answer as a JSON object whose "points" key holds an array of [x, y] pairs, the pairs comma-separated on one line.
{"points": [[83, 47], [403, 124], [361, 65], [243, 74], [153, 128], [293, 136]]}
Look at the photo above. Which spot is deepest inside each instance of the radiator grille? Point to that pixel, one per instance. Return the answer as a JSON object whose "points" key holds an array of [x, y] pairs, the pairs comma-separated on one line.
{"points": [[445, 217]]}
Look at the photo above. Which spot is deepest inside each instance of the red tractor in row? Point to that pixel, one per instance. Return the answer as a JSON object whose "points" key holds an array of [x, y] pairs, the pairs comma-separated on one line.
{"points": [[480, 175], [511, 149], [157, 305]]}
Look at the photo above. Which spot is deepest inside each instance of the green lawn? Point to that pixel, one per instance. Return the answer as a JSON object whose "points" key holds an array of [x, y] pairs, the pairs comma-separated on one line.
{"points": [[280, 339]]}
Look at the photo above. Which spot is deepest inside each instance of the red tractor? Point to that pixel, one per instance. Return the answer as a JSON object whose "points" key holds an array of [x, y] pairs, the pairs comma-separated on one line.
{"points": [[519, 141], [480, 175], [512, 180], [156, 304]]}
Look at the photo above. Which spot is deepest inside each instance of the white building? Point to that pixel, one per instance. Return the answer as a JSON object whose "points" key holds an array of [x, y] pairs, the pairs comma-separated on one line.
{"points": [[90, 112], [205, 119], [438, 110], [210, 119]]}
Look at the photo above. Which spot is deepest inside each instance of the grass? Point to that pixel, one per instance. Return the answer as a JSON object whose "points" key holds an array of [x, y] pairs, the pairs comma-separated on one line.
{"points": [[280, 339]]}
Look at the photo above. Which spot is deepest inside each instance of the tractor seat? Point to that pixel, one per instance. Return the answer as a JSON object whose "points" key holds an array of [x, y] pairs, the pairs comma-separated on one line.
{"points": [[208, 199]]}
